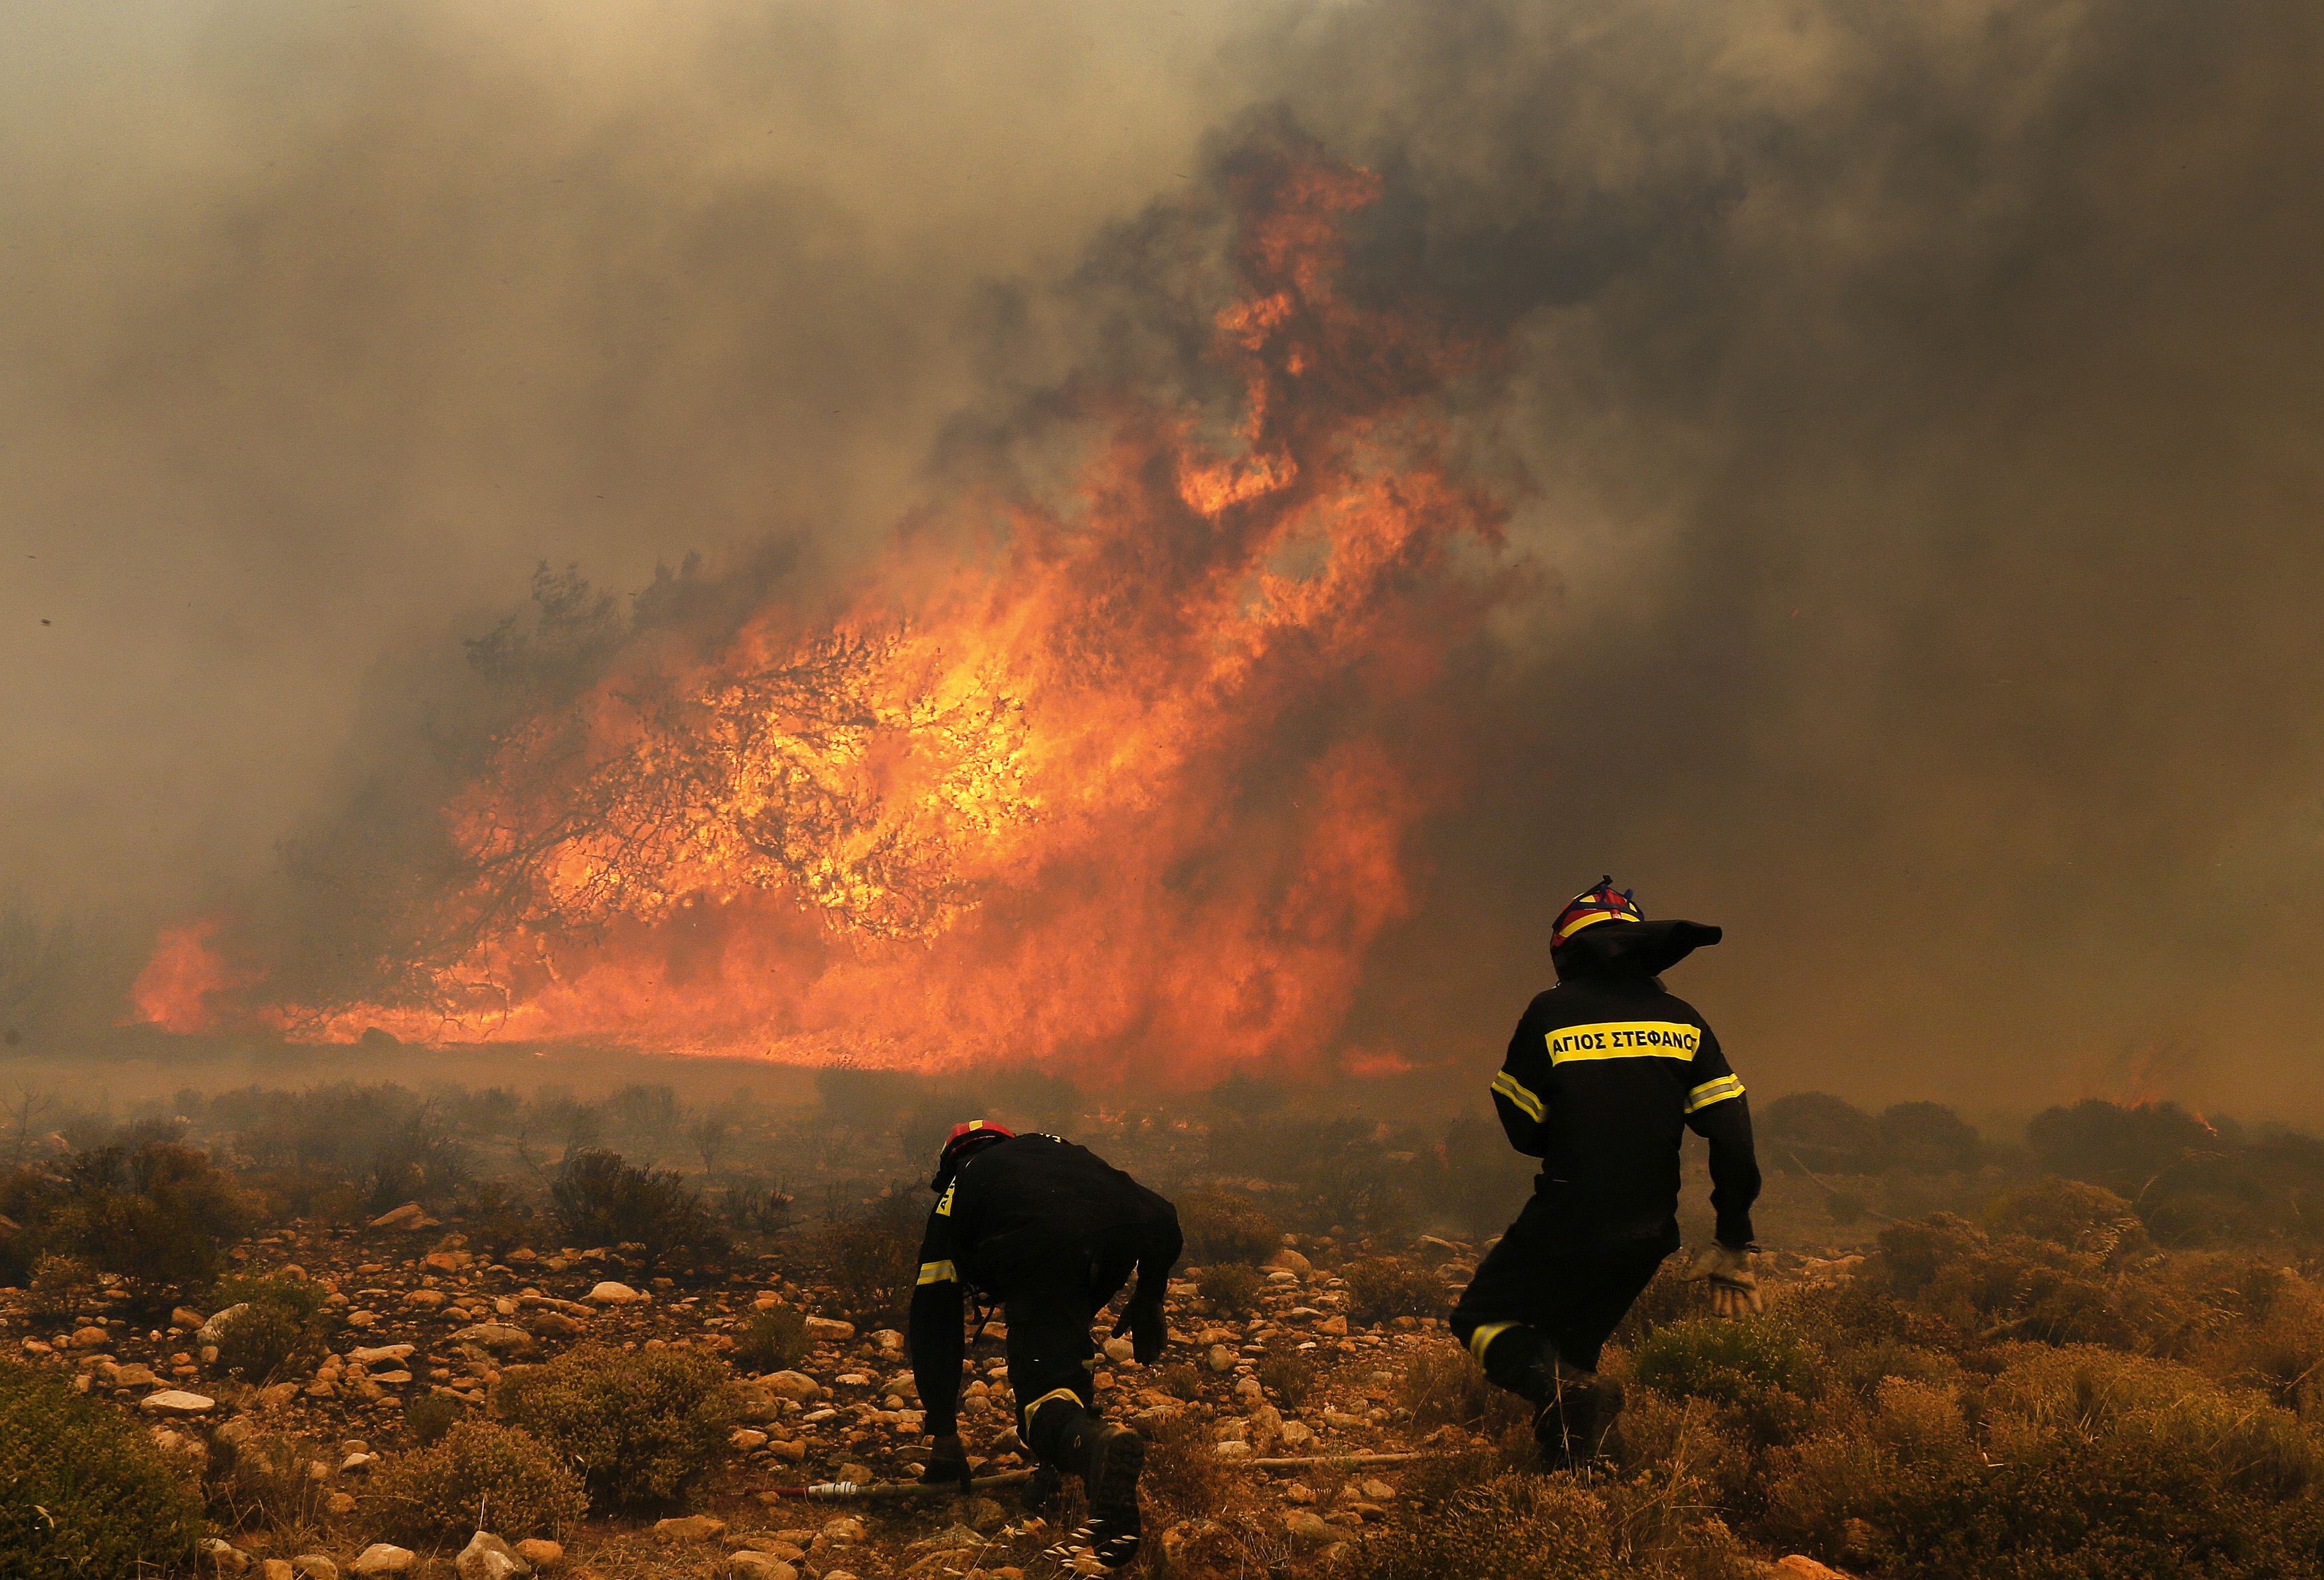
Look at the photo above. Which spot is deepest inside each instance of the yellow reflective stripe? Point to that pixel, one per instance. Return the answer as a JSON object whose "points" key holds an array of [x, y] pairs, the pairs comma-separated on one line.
{"points": [[938, 1273], [1482, 1339], [1623, 1039], [1710, 1091], [1508, 1087], [1051, 1397], [1587, 919], [944, 1205]]}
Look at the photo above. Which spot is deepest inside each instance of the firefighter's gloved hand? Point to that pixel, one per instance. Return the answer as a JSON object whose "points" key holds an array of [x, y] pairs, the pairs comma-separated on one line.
{"points": [[1734, 1288], [1147, 1330], [947, 1463]]}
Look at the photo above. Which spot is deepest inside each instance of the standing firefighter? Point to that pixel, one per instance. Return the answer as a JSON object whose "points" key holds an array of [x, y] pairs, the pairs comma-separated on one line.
{"points": [[1051, 1232], [1601, 1074]]}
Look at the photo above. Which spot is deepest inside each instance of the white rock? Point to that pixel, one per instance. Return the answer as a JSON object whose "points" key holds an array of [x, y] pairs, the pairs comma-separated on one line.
{"points": [[410, 1216], [610, 1293], [176, 1401], [488, 1558], [383, 1557], [373, 1354]]}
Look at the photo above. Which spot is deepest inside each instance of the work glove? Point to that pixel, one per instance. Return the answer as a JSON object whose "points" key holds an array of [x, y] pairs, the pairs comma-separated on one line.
{"points": [[1734, 1288], [1142, 1319], [947, 1463]]}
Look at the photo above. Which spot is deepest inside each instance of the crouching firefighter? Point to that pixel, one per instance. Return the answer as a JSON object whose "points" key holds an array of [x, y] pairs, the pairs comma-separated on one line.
{"points": [[1050, 1231], [1603, 1073]]}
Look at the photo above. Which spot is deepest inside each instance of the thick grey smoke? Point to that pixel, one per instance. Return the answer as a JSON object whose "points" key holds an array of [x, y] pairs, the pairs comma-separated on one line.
{"points": [[1911, 413]]}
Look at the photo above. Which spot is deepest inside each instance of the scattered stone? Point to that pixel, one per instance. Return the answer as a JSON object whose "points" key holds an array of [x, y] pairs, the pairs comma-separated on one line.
{"points": [[1291, 1261], [488, 1558], [374, 1355], [750, 1564], [1800, 1566], [314, 1567], [176, 1403], [383, 1557], [1308, 1527], [1119, 1351], [186, 1319], [610, 1293], [498, 1337], [223, 1556], [796, 1385], [410, 1216], [825, 1330], [746, 1439], [1221, 1359], [540, 1552], [558, 1324], [691, 1528], [427, 1299], [88, 1338]]}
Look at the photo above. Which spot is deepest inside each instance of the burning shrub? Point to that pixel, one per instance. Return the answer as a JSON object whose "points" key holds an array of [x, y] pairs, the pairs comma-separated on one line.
{"points": [[1383, 1286], [641, 1427], [774, 1340], [1220, 1227], [279, 1330], [84, 1494], [479, 1475], [1231, 1288], [597, 1199]]}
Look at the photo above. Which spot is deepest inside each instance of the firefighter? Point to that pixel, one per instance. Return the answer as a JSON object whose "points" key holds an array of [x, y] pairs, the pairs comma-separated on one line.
{"points": [[1050, 1232], [1603, 1072]]}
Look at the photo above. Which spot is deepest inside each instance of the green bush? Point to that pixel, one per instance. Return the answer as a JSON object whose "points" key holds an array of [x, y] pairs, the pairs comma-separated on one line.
{"points": [[2081, 1217], [773, 1340], [1220, 1227], [278, 1332], [84, 1494], [158, 1216], [1287, 1375], [1231, 1288], [428, 1415], [1383, 1286], [479, 1475], [641, 1427], [1751, 1364], [597, 1199]]}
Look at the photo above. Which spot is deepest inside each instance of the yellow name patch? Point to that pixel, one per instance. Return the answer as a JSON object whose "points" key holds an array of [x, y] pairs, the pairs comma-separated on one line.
{"points": [[1625, 1039]]}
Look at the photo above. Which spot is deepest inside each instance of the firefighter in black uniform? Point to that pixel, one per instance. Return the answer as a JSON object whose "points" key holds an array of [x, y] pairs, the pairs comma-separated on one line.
{"points": [[1051, 1232], [1601, 1074]]}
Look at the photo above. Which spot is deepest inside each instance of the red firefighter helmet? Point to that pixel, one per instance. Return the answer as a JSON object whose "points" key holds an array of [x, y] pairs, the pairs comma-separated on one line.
{"points": [[966, 1137]]}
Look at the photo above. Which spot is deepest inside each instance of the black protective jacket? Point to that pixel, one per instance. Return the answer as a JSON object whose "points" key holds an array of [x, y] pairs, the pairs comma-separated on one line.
{"points": [[1031, 1216], [1604, 1073]]}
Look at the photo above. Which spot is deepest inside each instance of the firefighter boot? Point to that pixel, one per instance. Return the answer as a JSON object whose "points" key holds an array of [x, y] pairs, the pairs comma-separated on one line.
{"points": [[1109, 1458], [1573, 1411]]}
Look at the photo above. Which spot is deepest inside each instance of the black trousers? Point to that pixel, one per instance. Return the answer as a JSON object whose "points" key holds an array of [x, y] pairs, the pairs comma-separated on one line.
{"points": [[1550, 1285], [1049, 1309]]}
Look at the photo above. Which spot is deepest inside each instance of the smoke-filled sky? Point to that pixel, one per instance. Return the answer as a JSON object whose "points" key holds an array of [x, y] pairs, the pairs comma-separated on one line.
{"points": [[1909, 417]]}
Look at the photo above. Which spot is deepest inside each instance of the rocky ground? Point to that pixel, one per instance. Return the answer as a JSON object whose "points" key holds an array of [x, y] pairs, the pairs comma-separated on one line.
{"points": [[425, 1315]]}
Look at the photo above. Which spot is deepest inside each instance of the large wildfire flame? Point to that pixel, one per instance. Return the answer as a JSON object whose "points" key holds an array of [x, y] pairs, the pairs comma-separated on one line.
{"points": [[1120, 780]]}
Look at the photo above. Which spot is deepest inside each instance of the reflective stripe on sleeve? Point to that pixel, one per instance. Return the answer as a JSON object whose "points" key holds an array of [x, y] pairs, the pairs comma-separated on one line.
{"points": [[1710, 1091], [1482, 1339], [939, 1273], [1508, 1087]]}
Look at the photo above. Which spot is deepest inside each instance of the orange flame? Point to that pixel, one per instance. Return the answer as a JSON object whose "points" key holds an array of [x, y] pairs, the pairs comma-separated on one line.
{"points": [[180, 984], [1118, 779]]}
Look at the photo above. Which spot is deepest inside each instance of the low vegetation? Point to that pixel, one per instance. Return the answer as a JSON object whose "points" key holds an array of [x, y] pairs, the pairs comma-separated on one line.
{"points": [[479, 1475], [85, 1494], [640, 1427]]}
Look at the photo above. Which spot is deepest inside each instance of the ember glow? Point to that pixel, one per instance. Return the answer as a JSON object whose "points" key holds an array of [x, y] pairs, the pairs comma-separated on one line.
{"points": [[1108, 780]]}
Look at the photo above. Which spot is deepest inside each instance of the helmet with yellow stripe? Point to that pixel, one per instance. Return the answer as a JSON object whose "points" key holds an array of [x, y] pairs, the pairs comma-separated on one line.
{"points": [[1601, 902]]}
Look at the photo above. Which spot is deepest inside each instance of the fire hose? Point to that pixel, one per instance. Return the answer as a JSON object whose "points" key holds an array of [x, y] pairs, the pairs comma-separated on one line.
{"points": [[848, 1491]]}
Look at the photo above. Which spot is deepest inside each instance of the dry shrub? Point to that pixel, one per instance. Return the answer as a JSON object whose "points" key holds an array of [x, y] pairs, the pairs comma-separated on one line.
{"points": [[641, 1427], [62, 1287], [773, 1340], [268, 1480], [84, 1494], [1443, 1386], [1287, 1373], [597, 1199], [1753, 1366], [479, 1476], [2087, 1218], [278, 1332], [1185, 1478], [1510, 1527], [1223, 1227], [871, 1260], [1180, 1380], [1231, 1288], [428, 1415], [1383, 1286]]}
